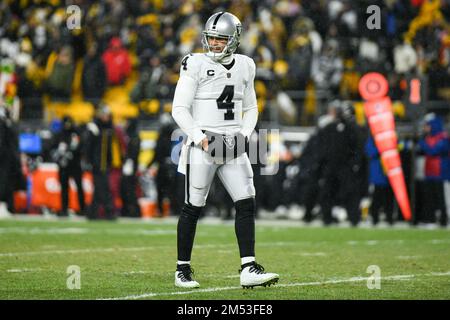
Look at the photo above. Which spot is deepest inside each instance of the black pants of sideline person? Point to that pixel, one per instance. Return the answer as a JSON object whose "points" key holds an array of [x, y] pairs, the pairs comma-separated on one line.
{"points": [[130, 205], [382, 198], [340, 188], [166, 186], [4, 167], [434, 200], [64, 175], [102, 197]]}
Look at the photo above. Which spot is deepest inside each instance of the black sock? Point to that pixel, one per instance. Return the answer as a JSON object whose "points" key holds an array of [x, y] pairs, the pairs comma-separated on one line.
{"points": [[187, 223], [245, 226]]}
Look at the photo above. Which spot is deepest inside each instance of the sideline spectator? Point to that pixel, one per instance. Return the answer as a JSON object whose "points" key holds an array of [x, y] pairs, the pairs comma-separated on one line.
{"points": [[103, 152], [436, 146], [166, 176], [67, 154], [310, 175], [11, 177], [382, 195], [340, 161], [130, 206]]}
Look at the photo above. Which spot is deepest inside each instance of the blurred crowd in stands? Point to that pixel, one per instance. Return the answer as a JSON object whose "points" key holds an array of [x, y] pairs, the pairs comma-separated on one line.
{"points": [[317, 48], [310, 55]]}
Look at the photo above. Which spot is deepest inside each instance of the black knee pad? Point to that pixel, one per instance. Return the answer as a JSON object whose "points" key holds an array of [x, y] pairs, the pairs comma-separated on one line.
{"points": [[191, 212], [245, 207]]}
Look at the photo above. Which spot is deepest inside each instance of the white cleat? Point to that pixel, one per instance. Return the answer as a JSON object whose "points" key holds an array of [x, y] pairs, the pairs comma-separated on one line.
{"points": [[4, 213], [252, 275], [183, 278]]}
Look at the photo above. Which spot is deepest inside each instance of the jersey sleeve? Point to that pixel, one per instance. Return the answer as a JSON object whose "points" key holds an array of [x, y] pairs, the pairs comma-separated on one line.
{"points": [[187, 83], [249, 101], [184, 98], [190, 67], [249, 107]]}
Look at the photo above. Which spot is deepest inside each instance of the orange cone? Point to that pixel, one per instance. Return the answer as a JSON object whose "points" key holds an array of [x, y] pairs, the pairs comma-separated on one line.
{"points": [[399, 187], [382, 122], [391, 160], [373, 88], [377, 106], [414, 96], [386, 141]]}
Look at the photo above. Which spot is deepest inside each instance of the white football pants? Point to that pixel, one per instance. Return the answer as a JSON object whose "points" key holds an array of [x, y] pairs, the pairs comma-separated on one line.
{"points": [[235, 174]]}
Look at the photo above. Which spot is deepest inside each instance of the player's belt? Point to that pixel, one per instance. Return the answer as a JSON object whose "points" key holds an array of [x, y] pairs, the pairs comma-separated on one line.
{"points": [[222, 146]]}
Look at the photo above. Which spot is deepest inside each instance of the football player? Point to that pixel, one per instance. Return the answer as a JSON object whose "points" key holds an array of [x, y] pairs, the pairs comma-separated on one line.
{"points": [[215, 105]]}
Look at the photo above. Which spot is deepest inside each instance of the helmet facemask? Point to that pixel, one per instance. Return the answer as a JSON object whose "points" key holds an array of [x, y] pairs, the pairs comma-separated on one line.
{"points": [[228, 49]]}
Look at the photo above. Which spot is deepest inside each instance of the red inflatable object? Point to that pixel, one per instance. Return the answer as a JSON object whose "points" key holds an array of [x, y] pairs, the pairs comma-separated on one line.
{"points": [[397, 181], [373, 87], [414, 96]]}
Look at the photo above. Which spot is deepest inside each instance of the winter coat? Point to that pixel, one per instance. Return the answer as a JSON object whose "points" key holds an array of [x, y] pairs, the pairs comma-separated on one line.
{"points": [[61, 78], [436, 147], [67, 149], [94, 78], [377, 175], [105, 146], [117, 62]]}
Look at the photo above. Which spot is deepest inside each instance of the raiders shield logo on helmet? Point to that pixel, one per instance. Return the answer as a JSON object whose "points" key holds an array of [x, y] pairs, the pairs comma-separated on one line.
{"points": [[229, 141]]}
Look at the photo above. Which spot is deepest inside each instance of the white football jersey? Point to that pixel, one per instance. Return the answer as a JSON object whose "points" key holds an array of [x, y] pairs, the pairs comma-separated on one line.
{"points": [[218, 96]]}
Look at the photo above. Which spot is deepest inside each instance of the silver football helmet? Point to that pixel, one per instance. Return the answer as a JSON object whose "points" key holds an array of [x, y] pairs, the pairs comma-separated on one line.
{"points": [[222, 25]]}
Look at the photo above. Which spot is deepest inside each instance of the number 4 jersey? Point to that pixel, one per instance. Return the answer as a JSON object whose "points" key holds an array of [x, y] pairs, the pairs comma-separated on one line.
{"points": [[216, 95]]}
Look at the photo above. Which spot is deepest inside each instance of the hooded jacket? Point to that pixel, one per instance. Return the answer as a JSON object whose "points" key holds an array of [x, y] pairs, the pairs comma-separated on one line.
{"points": [[117, 62], [436, 148]]}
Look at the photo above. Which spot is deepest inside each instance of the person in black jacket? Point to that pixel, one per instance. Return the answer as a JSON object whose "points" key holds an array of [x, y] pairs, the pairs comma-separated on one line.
{"points": [[130, 205], [340, 159], [94, 76], [166, 177], [309, 176], [67, 154], [16, 179], [5, 162]]}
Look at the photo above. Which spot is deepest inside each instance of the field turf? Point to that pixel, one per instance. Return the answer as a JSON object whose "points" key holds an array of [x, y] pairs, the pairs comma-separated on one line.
{"points": [[136, 260]]}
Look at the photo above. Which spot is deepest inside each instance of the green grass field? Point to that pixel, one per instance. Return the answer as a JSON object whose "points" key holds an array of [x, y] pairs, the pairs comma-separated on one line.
{"points": [[136, 260]]}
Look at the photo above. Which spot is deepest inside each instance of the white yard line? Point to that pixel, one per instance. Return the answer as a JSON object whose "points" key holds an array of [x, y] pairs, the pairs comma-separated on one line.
{"points": [[297, 284], [206, 246], [62, 230], [18, 270], [37, 230], [72, 251], [263, 222], [312, 254]]}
